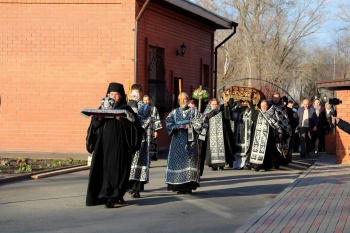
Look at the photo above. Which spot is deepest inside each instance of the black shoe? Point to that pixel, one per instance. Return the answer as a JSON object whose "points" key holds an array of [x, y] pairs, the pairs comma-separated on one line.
{"points": [[121, 202], [256, 168], [110, 203], [181, 193], [136, 194]]}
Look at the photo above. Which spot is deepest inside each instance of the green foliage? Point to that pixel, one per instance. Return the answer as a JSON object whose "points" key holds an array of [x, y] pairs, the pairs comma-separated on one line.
{"points": [[200, 94], [71, 161], [24, 166], [68, 162], [18, 166], [56, 163], [4, 163]]}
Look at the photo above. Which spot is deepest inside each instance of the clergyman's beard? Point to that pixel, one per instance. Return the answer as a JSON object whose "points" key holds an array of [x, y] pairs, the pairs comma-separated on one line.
{"points": [[184, 105]]}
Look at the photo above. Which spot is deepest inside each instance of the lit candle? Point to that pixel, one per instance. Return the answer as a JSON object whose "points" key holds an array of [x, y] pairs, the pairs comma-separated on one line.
{"points": [[180, 90], [127, 96]]}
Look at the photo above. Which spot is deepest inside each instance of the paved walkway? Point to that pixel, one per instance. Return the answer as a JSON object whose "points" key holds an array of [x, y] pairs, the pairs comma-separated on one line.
{"points": [[318, 201]]}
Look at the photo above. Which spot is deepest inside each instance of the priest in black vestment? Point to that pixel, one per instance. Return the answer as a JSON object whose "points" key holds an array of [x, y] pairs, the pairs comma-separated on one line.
{"points": [[283, 115], [118, 138], [266, 135], [229, 116], [243, 128]]}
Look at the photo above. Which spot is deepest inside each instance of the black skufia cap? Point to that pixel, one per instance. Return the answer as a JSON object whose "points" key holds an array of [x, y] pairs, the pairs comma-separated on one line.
{"points": [[117, 87], [284, 99]]}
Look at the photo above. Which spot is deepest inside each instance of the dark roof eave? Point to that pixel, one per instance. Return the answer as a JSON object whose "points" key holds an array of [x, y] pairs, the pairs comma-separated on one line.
{"points": [[220, 22], [334, 84]]}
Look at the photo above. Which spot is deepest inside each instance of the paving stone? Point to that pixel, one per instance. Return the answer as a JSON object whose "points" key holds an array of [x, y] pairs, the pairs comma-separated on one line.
{"points": [[318, 201]]}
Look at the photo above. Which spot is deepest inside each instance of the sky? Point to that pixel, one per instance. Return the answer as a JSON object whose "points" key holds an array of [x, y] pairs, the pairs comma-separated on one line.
{"points": [[326, 34]]}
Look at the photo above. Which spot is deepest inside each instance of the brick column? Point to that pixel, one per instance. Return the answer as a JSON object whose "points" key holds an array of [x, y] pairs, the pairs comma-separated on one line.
{"points": [[343, 139]]}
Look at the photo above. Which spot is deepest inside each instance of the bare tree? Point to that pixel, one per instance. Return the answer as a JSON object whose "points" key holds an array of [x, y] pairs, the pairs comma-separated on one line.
{"points": [[343, 48], [342, 41], [269, 37], [344, 14]]}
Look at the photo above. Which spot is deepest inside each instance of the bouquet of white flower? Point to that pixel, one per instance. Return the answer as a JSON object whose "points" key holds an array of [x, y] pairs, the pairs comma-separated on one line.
{"points": [[200, 94]]}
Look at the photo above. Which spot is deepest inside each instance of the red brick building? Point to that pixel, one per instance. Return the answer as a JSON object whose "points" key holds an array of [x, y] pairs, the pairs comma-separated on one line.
{"points": [[58, 56], [340, 143]]}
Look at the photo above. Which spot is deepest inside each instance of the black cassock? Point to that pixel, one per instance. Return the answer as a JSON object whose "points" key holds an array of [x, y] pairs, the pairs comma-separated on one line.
{"points": [[229, 116], [264, 139], [112, 156]]}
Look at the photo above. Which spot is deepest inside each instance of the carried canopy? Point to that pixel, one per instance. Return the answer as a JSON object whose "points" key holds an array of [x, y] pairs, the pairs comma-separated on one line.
{"points": [[245, 94]]}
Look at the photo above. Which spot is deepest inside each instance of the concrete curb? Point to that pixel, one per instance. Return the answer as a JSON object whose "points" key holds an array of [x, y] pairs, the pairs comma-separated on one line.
{"points": [[60, 172]]}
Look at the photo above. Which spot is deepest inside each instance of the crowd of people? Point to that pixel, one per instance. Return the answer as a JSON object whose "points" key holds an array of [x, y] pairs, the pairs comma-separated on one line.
{"points": [[229, 134]]}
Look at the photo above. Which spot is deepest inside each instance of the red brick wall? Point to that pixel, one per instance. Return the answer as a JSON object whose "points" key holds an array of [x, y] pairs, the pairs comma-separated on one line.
{"points": [[342, 138], [56, 59], [330, 147], [168, 29]]}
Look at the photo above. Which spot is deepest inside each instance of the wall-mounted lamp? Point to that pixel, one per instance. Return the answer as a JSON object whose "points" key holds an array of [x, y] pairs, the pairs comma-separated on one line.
{"points": [[182, 50]]}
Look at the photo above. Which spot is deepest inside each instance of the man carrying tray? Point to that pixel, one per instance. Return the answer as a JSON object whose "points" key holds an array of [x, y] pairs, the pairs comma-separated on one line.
{"points": [[118, 138]]}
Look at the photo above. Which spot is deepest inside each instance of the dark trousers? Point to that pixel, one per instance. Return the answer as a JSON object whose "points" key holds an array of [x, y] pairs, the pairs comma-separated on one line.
{"points": [[296, 142], [318, 140], [305, 140], [203, 146], [322, 143]]}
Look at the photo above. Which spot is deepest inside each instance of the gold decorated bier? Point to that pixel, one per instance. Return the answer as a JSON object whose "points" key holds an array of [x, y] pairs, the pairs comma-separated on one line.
{"points": [[245, 94]]}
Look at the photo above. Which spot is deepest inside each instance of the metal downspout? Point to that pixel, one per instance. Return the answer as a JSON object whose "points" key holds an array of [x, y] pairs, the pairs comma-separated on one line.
{"points": [[216, 57], [136, 34]]}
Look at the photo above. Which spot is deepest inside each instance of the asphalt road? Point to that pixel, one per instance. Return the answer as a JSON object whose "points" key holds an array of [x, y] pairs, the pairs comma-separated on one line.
{"points": [[223, 203]]}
